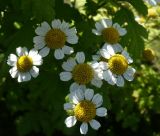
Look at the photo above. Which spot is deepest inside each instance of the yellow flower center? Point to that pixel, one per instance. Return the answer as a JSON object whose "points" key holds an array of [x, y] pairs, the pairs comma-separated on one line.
{"points": [[149, 54], [85, 111], [55, 38], [118, 64], [152, 13], [110, 35], [83, 73], [24, 63]]}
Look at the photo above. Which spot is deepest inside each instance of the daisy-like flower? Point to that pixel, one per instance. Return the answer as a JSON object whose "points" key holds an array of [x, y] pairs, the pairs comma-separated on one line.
{"points": [[110, 32], [116, 65], [85, 106], [24, 65], [152, 2], [55, 37], [82, 73], [98, 57]]}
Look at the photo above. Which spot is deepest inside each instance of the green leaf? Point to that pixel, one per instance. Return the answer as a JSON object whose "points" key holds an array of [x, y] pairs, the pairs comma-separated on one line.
{"points": [[28, 123], [134, 39], [42, 10], [139, 6]]}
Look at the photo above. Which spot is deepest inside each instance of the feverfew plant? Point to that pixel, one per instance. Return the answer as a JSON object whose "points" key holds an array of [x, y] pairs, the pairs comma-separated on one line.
{"points": [[94, 58]]}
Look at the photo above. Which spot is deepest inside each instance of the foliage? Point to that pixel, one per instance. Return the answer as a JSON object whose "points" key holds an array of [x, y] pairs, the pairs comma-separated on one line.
{"points": [[37, 106]]}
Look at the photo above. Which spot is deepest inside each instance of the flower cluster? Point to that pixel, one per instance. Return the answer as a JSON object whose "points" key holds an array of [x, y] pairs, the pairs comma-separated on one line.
{"points": [[111, 64], [113, 60]]}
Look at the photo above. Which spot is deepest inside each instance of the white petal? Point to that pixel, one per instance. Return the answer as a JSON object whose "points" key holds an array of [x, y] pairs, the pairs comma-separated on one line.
{"points": [[117, 48], [80, 57], [99, 27], [122, 31], [26, 76], [104, 53], [66, 67], [104, 23], [108, 22], [130, 60], [94, 64], [37, 60], [105, 46], [65, 76], [97, 83], [45, 26], [109, 77], [41, 31], [126, 55], [13, 71], [39, 40], [39, 45], [97, 100], [44, 52], [23, 76], [103, 65], [19, 51], [98, 74], [72, 39], [116, 26], [34, 71], [71, 32], [33, 52], [70, 121], [56, 23], [12, 60], [152, 2], [69, 65], [19, 78], [68, 106], [129, 74], [113, 80], [67, 50], [12, 57], [58, 54], [96, 32], [95, 124], [120, 81], [89, 94], [101, 112], [84, 128], [110, 50], [64, 25], [25, 51], [74, 86], [79, 94]]}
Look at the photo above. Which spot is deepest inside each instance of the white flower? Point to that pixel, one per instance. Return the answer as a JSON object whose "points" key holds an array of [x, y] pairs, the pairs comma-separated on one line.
{"points": [[152, 2], [85, 106], [24, 64], [115, 65], [55, 37], [81, 72], [111, 32], [117, 47]]}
